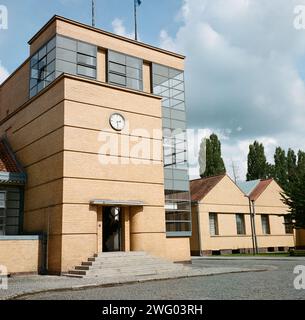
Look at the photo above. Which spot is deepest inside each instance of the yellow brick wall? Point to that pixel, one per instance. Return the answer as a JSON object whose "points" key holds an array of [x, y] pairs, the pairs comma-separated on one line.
{"points": [[20, 256], [227, 200]]}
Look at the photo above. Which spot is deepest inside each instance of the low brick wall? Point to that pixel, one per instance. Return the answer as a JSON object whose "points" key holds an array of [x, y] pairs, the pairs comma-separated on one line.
{"points": [[21, 254]]}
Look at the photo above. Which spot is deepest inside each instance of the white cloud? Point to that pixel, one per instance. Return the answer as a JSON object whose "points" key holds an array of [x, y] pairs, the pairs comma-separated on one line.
{"points": [[3, 73], [244, 72], [120, 29]]}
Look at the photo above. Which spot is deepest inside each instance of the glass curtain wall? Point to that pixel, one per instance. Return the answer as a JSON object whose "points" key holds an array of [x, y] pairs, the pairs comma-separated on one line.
{"points": [[61, 55], [169, 83]]}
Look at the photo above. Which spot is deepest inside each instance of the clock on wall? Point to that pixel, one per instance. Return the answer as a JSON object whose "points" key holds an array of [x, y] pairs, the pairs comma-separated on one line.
{"points": [[117, 121]]}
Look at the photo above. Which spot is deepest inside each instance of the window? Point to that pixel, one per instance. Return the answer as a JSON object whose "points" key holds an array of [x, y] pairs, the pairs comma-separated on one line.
{"points": [[125, 71], [42, 67], [265, 224], [169, 84], [213, 221], [240, 224], [288, 225], [76, 57], [2, 212], [61, 55]]}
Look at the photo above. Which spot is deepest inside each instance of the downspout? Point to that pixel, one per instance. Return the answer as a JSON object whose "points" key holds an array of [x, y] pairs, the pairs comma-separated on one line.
{"points": [[199, 231], [254, 228]]}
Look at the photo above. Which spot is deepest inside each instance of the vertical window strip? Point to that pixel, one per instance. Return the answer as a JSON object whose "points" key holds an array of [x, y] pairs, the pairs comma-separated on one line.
{"points": [[125, 70], [169, 84]]}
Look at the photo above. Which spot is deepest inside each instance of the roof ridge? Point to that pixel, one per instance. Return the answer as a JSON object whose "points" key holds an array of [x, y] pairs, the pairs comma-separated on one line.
{"points": [[219, 175]]}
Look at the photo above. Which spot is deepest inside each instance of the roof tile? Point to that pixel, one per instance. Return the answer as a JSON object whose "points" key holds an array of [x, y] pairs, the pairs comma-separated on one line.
{"points": [[201, 187], [8, 163]]}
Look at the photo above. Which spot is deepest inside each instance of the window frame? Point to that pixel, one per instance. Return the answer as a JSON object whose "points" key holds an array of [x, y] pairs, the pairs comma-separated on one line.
{"points": [[126, 67], [268, 231], [3, 225], [288, 225], [215, 232], [54, 45], [242, 231]]}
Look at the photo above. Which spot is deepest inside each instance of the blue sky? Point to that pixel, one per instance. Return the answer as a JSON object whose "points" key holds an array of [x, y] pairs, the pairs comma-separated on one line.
{"points": [[27, 17], [245, 62]]}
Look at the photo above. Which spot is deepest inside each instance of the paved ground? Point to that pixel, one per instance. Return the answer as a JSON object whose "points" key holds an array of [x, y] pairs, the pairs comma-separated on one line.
{"points": [[276, 283], [18, 286]]}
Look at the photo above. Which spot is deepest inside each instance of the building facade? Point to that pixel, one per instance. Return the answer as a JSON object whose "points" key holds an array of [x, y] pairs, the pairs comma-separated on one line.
{"points": [[222, 222], [98, 123]]}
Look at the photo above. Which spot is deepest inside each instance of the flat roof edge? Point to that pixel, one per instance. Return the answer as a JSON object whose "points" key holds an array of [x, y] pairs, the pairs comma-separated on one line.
{"points": [[76, 23]]}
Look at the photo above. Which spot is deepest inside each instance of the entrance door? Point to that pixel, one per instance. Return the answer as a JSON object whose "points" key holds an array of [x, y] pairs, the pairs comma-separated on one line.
{"points": [[111, 229]]}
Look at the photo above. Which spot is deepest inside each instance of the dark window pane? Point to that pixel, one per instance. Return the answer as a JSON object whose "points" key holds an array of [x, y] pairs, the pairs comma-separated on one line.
{"points": [[134, 62], [134, 73], [117, 68], [66, 55], [117, 57], [51, 44], [134, 84], [213, 224], [86, 60], [66, 67], [33, 91], [161, 70], [50, 68], [86, 48], [42, 52], [33, 82], [41, 85], [42, 63], [66, 43], [85, 71], [34, 73], [51, 56], [50, 77], [117, 79], [240, 224], [34, 60]]}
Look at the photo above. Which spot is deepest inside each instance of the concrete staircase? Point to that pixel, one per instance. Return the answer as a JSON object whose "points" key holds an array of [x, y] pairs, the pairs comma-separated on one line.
{"points": [[125, 264]]}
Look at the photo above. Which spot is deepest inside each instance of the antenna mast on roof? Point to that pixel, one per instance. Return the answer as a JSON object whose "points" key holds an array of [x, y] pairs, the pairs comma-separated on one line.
{"points": [[93, 13]]}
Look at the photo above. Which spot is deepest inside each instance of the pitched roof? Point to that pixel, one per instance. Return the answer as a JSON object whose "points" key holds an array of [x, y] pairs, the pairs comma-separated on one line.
{"points": [[259, 189], [11, 172], [201, 187]]}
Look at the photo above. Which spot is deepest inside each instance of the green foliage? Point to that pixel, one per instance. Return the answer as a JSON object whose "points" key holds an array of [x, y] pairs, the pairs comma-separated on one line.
{"points": [[210, 159], [257, 163], [294, 198], [280, 167]]}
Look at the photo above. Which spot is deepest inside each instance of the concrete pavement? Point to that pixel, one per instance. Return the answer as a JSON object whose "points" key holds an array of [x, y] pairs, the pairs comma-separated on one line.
{"points": [[27, 285]]}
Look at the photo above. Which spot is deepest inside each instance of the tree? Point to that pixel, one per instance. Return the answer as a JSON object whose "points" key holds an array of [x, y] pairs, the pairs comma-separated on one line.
{"points": [[214, 162], [294, 192], [257, 163], [280, 167], [294, 198], [291, 166]]}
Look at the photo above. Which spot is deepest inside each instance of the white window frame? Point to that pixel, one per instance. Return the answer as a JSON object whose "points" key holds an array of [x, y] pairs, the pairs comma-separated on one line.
{"points": [[213, 219]]}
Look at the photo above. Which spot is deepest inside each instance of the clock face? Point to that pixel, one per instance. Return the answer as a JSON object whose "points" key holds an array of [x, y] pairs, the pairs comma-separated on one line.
{"points": [[117, 122]]}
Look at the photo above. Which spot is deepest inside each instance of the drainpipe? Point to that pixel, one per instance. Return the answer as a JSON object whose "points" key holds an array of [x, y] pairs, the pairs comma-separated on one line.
{"points": [[199, 230], [254, 228]]}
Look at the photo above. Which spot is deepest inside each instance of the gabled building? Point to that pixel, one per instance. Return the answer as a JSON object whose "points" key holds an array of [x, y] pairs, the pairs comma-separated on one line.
{"points": [[98, 123], [221, 217]]}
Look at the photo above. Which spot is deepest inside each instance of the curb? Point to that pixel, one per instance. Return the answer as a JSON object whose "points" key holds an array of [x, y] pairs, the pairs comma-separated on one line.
{"points": [[250, 258], [120, 283]]}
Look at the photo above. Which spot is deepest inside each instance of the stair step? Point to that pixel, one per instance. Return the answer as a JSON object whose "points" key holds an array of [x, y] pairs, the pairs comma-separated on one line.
{"points": [[73, 275], [77, 272], [124, 264]]}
